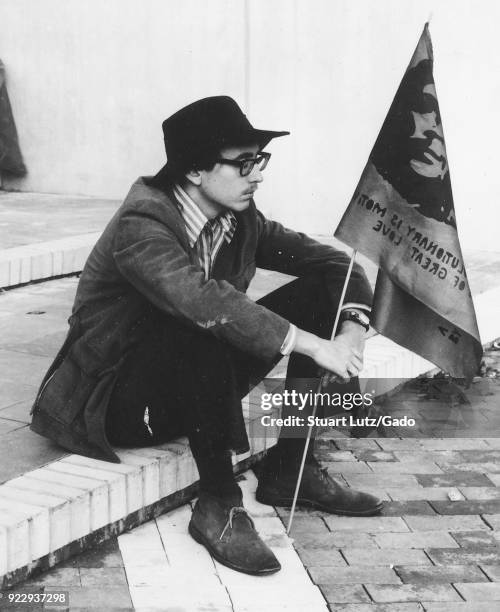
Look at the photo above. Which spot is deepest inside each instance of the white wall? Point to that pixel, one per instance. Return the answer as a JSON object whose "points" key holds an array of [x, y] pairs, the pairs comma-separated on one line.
{"points": [[90, 82]]}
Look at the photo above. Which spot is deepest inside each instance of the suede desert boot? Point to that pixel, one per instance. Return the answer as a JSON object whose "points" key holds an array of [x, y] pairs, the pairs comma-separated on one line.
{"points": [[226, 530], [318, 489]]}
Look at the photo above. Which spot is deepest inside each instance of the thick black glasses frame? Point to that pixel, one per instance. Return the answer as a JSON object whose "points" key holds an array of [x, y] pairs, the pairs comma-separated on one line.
{"points": [[247, 165]]}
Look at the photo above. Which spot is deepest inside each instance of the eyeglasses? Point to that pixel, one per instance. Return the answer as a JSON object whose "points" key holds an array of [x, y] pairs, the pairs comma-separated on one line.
{"points": [[247, 165]]}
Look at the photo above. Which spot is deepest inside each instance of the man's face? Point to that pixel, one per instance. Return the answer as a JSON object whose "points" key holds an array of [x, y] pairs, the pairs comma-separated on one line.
{"points": [[223, 188], [430, 154]]}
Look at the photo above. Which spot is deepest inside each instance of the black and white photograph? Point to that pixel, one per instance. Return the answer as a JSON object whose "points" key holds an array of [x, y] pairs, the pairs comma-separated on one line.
{"points": [[249, 288]]}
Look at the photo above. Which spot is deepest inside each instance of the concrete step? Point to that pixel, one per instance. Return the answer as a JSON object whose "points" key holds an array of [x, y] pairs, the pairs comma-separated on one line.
{"points": [[51, 513], [32, 262]]}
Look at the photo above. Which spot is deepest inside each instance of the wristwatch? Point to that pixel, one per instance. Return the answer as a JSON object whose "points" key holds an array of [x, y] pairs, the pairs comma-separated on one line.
{"points": [[358, 317]]}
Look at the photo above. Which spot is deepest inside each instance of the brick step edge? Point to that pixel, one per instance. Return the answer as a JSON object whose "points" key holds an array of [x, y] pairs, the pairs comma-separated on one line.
{"points": [[112, 529], [44, 260]]}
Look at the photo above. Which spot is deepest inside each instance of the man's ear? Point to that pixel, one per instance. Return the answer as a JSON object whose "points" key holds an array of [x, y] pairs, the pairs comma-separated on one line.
{"points": [[194, 177]]}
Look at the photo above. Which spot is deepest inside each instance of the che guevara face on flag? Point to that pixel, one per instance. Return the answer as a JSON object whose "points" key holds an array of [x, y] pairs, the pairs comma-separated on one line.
{"points": [[410, 152]]}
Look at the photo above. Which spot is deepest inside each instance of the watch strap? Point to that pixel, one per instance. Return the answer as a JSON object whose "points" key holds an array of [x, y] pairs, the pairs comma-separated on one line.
{"points": [[357, 317]]}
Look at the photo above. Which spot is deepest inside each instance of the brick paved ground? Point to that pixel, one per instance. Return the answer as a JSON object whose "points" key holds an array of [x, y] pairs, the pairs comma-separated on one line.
{"points": [[94, 580], [435, 547], [436, 544]]}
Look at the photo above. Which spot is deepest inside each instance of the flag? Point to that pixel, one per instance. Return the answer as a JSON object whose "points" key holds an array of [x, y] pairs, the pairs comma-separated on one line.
{"points": [[402, 217]]}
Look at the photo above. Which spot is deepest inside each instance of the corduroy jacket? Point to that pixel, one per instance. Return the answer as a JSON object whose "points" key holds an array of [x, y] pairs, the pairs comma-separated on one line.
{"points": [[143, 261]]}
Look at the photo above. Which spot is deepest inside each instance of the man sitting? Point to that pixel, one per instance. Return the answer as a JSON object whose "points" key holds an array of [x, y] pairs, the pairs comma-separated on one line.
{"points": [[164, 342]]}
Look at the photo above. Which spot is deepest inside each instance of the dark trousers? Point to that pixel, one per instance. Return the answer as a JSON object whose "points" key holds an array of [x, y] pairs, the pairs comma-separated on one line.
{"points": [[188, 382]]}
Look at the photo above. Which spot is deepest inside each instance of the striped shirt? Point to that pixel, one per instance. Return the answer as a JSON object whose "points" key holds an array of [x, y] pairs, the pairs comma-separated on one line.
{"points": [[205, 235], [208, 235]]}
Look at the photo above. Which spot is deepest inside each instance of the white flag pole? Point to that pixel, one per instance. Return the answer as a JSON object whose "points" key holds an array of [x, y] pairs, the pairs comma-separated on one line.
{"points": [[309, 433]]}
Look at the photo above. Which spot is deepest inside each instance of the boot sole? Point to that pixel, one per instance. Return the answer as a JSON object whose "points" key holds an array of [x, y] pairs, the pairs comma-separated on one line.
{"points": [[286, 502], [200, 538]]}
